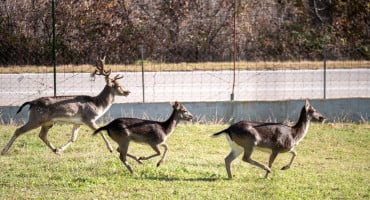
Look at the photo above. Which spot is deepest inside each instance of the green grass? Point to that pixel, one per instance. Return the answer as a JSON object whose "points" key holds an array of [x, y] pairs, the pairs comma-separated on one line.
{"points": [[333, 163]]}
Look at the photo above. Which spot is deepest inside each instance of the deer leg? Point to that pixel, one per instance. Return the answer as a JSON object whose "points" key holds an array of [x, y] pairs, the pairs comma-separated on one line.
{"points": [[76, 128], [109, 146], [164, 154], [134, 157], [271, 160], [156, 149], [93, 126], [236, 150], [131, 156], [123, 152], [247, 158], [229, 158], [44, 136], [294, 154], [21, 130]]}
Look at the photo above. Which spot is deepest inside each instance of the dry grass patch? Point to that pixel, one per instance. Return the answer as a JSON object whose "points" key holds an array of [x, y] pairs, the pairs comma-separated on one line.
{"points": [[151, 66]]}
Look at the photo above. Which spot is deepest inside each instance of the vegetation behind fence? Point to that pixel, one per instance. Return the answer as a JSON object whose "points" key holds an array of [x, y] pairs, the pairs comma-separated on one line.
{"points": [[183, 31]]}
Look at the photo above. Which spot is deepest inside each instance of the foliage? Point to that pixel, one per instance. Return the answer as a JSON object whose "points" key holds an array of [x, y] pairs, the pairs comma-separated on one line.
{"points": [[332, 163], [183, 30]]}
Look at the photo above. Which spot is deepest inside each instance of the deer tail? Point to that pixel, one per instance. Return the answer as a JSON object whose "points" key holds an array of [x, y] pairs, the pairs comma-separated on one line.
{"points": [[23, 105], [219, 133], [103, 128]]}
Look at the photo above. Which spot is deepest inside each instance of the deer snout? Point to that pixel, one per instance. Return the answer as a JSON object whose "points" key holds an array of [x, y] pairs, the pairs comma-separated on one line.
{"points": [[322, 118], [187, 116], [190, 117], [126, 93], [123, 92]]}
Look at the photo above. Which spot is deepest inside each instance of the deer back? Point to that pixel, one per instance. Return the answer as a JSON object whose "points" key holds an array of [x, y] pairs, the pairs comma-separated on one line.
{"points": [[138, 130], [275, 136], [64, 108]]}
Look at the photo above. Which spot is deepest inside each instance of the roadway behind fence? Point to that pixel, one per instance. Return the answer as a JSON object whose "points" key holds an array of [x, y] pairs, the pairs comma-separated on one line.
{"points": [[186, 83]]}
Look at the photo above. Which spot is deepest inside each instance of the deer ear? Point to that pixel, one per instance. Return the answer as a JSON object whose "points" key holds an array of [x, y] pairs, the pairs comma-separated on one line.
{"points": [[175, 104], [307, 104]]}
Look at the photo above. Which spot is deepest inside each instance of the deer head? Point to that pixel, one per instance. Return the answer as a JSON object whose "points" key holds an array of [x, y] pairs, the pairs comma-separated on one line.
{"points": [[118, 88], [183, 113], [312, 113]]}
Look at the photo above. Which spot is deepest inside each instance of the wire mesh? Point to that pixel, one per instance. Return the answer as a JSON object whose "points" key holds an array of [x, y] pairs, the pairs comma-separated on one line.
{"points": [[188, 49]]}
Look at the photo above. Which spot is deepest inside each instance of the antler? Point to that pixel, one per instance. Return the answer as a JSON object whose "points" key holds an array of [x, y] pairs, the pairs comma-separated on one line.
{"points": [[118, 76], [100, 68]]}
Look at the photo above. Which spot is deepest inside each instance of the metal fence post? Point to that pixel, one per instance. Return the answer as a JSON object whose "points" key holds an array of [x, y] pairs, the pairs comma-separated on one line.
{"points": [[324, 71], [53, 50], [232, 95], [142, 71]]}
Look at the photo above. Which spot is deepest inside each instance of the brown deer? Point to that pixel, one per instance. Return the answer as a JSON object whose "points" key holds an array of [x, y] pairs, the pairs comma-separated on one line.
{"points": [[77, 110], [152, 133], [278, 138]]}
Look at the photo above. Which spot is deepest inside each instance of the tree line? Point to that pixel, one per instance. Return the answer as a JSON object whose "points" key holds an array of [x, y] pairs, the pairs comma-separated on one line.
{"points": [[183, 30]]}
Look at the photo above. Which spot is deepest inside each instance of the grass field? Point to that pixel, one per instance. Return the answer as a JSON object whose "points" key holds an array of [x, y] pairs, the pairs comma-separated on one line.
{"points": [[333, 163], [150, 66]]}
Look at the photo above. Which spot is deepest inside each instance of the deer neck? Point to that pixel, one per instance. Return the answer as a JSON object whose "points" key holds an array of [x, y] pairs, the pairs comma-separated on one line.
{"points": [[105, 99], [300, 129], [170, 124]]}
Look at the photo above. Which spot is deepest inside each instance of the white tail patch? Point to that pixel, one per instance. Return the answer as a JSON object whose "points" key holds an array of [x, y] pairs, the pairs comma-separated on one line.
{"points": [[236, 149]]}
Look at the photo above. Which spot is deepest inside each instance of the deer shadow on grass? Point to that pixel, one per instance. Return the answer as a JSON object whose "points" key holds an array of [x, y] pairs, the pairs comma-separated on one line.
{"points": [[190, 179]]}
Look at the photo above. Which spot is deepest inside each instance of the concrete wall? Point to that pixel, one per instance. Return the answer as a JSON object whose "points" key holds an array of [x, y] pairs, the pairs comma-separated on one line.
{"points": [[336, 110]]}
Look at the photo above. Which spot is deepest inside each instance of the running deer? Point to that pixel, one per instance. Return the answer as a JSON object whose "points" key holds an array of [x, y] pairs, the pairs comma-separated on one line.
{"points": [[278, 138], [152, 133], [77, 110]]}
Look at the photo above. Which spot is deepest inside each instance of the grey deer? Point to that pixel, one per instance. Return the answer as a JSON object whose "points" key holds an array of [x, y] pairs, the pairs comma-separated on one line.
{"points": [[278, 138], [77, 110], [152, 133]]}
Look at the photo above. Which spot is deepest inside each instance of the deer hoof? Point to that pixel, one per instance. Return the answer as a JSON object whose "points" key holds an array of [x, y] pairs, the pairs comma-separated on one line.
{"points": [[267, 174], [159, 163], [285, 167], [110, 149], [58, 151], [3, 152]]}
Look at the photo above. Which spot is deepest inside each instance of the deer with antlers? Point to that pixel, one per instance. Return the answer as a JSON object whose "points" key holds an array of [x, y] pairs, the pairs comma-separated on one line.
{"points": [[77, 110]]}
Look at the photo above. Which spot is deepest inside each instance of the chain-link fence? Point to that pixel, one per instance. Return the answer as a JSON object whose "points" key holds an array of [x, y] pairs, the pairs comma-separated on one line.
{"points": [[187, 50]]}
